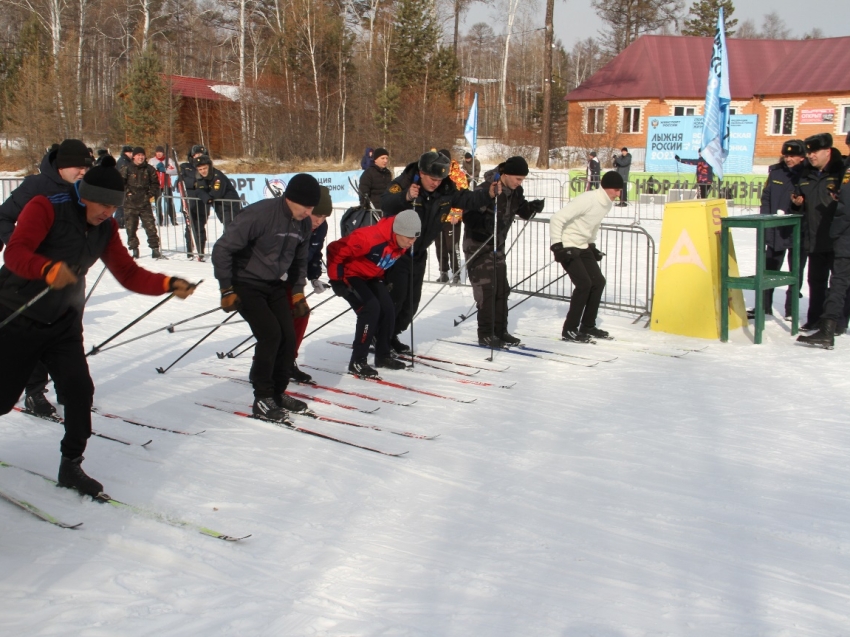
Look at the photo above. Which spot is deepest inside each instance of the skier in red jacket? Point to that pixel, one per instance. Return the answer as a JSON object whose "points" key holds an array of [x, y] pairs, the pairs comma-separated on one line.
{"points": [[356, 266]]}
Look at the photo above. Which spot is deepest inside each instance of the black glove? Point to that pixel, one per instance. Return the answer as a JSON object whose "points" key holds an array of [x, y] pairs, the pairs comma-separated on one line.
{"points": [[340, 288], [677, 157], [564, 255], [533, 207], [597, 253]]}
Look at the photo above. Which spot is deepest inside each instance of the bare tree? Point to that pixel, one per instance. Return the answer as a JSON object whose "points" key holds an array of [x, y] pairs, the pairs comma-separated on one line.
{"points": [[747, 30], [774, 28], [503, 88], [546, 120], [627, 20]]}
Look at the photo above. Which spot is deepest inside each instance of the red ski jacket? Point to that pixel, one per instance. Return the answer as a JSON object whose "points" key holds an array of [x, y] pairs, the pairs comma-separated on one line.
{"points": [[365, 253]]}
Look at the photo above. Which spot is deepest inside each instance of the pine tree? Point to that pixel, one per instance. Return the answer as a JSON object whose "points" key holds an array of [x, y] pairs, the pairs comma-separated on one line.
{"points": [[416, 41], [702, 18], [145, 102]]}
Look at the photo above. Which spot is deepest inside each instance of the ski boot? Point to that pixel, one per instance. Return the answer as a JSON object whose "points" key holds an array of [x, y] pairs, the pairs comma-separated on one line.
{"points": [[39, 405], [291, 404], [268, 409], [492, 341], [572, 336], [509, 339], [398, 346], [72, 476], [594, 332], [300, 377], [388, 362], [362, 369]]}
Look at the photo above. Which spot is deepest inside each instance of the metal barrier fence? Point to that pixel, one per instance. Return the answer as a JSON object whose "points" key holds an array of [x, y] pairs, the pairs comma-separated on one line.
{"points": [[203, 229], [539, 185], [7, 185]]}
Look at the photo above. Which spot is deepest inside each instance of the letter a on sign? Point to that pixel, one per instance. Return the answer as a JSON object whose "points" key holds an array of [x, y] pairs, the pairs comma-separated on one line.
{"points": [[684, 251]]}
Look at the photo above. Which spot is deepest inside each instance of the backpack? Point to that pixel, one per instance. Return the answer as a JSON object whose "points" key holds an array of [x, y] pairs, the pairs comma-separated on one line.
{"points": [[357, 217]]}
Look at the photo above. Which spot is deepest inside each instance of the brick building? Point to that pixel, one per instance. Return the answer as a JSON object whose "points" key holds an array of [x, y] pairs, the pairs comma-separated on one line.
{"points": [[796, 87]]}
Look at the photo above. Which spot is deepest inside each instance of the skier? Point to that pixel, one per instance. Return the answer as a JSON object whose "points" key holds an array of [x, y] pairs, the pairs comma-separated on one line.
{"points": [[572, 231], [55, 243], [249, 261], [839, 283], [705, 173], [60, 170], [423, 186], [819, 182], [142, 187], [356, 267], [301, 314], [478, 249]]}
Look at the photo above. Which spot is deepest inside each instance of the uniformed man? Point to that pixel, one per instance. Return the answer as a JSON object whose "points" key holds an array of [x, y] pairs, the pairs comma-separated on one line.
{"points": [[141, 189]]}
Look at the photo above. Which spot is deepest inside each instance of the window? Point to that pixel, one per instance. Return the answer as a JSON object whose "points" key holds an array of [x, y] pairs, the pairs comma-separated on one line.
{"points": [[631, 119], [782, 122], [733, 111], [596, 120], [679, 111], [845, 119]]}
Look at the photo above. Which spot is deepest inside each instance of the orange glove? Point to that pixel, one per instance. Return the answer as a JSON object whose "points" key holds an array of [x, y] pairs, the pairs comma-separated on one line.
{"points": [[299, 305], [181, 287], [229, 300], [58, 275]]}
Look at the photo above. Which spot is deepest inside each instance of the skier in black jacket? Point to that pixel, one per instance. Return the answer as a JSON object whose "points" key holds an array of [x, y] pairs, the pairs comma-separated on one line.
{"points": [[60, 170], [425, 187]]}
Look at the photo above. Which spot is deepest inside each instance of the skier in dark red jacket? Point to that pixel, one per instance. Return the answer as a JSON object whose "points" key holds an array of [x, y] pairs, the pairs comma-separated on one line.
{"points": [[54, 244], [356, 266]]}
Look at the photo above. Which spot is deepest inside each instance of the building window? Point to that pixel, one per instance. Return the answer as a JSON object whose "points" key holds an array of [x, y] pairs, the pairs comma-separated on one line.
{"points": [[733, 111], [687, 111], [845, 119], [631, 119], [782, 121], [595, 120]]}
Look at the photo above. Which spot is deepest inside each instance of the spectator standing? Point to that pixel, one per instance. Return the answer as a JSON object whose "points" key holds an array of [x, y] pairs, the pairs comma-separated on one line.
{"points": [[623, 164], [141, 189], [447, 245], [124, 159], [472, 168], [594, 169], [705, 173], [375, 180], [165, 170], [366, 160]]}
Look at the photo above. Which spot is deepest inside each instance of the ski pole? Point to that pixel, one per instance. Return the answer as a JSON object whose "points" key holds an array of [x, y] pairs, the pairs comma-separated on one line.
{"points": [[203, 338], [202, 327], [238, 354], [97, 348], [14, 314], [495, 283], [537, 291], [412, 357], [327, 322], [169, 328], [229, 354], [463, 317], [99, 277], [519, 234]]}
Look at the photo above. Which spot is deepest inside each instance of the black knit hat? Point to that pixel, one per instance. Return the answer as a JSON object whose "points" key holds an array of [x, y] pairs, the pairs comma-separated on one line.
{"points": [[103, 184], [325, 207], [303, 189], [434, 165], [138, 150], [203, 160], [514, 166], [821, 141], [73, 153], [159, 149], [612, 179], [794, 148], [379, 152]]}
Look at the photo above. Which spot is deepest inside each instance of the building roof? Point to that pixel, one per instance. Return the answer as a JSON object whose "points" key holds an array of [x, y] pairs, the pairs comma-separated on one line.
{"points": [[671, 67], [202, 89]]}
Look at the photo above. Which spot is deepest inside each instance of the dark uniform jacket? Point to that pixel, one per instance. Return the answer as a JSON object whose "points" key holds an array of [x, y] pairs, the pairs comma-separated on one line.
{"points": [[781, 182], [430, 206], [47, 183], [373, 183], [56, 229], [818, 207], [840, 229], [215, 189], [478, 223], [261, 245], [140, 184]]}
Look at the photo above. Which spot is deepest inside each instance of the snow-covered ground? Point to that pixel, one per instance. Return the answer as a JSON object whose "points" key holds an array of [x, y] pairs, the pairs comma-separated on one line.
{"points": [[703, 494]]}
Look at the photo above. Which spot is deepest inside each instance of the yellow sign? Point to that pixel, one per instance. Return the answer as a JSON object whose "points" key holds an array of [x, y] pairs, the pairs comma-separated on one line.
{"points": [[687, 284]]}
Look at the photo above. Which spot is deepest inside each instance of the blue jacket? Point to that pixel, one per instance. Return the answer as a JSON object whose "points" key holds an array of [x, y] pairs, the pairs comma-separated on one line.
{"points": [[315, 251]]}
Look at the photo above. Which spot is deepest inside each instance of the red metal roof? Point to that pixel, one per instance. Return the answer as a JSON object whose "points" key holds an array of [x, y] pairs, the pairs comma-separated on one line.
{"points": [[671, 67], [202, 89]]}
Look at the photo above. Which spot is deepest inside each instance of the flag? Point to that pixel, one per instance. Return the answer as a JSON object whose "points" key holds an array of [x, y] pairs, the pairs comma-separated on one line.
{"points": [[715, 130], [471, 129]]}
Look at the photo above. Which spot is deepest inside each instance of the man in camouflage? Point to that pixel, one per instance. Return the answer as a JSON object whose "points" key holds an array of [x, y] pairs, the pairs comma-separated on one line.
{"points": [[141, 186]]}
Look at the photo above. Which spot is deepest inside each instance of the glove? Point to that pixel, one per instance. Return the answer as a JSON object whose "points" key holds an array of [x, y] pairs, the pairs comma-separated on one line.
{"points": [[535, 207], [340, 288], [181, 287], [299, 305], [229, 300], [319, 286], [58, 275], [563, 255], [597, 253], [677, 157]]}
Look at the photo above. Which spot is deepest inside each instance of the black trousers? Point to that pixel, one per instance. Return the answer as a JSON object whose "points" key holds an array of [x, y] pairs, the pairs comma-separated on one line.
{"points": [[836, 298], [588, 286], [406, 289], [447, 246], [265, 306], [59, 346], [820, 265], [375, 311], [773, 260], [37, 382], [703, 190], [488, 282], [196, 228], [165, 208]]}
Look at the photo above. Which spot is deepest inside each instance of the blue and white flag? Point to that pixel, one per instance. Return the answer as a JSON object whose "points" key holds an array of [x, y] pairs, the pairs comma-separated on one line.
{"points": [[715, 131], [471, 129]]}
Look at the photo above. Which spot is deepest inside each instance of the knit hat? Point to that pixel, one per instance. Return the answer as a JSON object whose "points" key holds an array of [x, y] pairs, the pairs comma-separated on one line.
{"points": [[303, 189], [103, 184], [203, 160], [612, 179], [72, 153], [325, 207], [515, 166], [434, 165], [794, 148], [467, 156], [138, 150], [821, 141], [407, 224], [379, 152], [159, 149]]}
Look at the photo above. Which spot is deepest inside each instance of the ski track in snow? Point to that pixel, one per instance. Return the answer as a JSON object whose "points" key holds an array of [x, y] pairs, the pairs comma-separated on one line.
{"points": [[652, 496]]}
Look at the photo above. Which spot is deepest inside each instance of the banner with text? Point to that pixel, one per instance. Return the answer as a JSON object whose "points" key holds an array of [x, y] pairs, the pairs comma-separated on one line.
{"points": [[254, 187], [671, 136]]}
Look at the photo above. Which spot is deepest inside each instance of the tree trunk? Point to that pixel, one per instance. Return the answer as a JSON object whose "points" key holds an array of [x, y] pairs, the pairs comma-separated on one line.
{"points": [[503, 88], [546, 122]]}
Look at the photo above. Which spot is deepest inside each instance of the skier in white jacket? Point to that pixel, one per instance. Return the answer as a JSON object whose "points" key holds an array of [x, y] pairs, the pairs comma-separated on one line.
{"points": [[572, 232]]}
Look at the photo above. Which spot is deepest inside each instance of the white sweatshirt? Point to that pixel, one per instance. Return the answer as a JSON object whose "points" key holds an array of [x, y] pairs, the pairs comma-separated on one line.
{"points": [[576, 224]]}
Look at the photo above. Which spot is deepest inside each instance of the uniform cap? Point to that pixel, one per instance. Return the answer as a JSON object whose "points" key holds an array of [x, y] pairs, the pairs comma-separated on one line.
{"points": [[794, 148], [821, 141], [203, 160], [407, 224], [434, 165]]}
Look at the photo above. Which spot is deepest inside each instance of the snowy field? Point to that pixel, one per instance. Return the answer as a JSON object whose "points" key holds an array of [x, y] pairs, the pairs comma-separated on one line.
{"points": [[635, 488]]}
